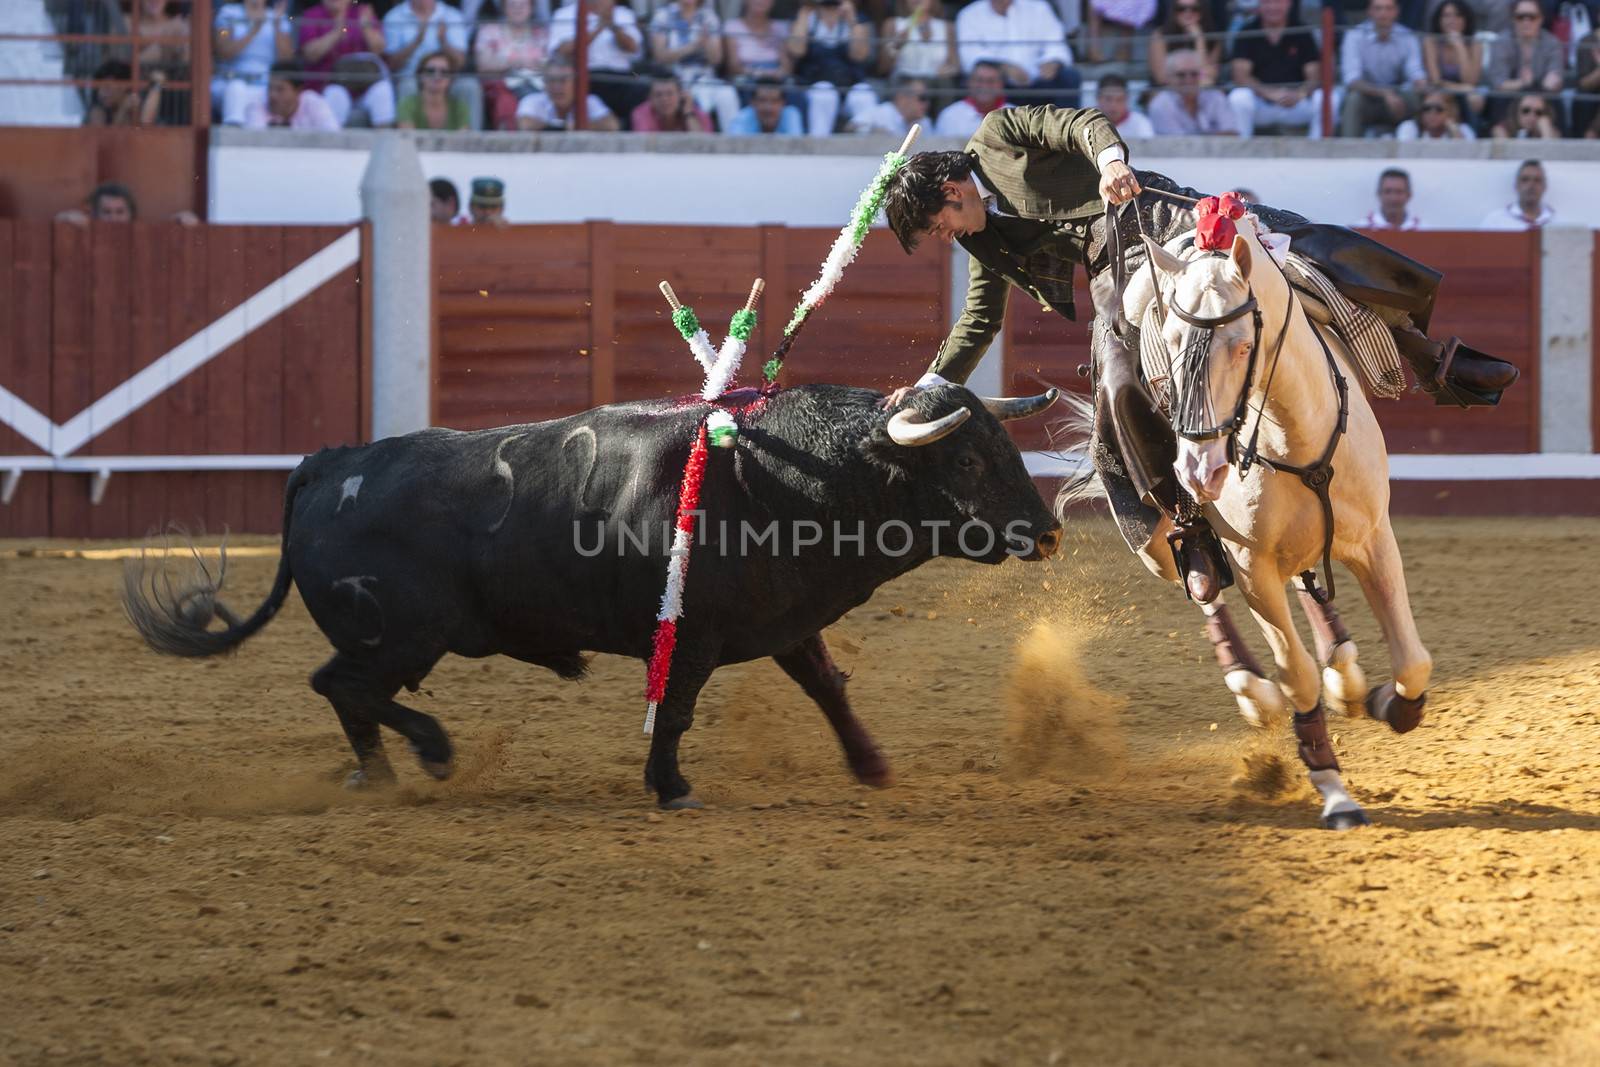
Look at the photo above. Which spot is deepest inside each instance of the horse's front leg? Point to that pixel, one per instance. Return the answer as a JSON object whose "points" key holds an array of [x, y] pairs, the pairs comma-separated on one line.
{"points": [[1383, 579], [1263, 588]]}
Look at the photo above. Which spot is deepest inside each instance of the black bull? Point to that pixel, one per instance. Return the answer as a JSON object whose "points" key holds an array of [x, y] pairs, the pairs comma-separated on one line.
{"points": [[544, 542]]}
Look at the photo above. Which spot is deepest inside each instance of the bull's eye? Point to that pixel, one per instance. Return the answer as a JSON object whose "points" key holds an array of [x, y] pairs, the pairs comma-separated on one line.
{"points": [[966, 462]]}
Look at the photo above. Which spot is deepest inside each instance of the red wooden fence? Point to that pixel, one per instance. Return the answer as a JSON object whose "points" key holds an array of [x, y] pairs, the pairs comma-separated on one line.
{"points": [[84, 308]]}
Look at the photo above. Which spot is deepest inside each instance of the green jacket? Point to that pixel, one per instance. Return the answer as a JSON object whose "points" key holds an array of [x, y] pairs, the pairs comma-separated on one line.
{"points": [[1039, 162]]}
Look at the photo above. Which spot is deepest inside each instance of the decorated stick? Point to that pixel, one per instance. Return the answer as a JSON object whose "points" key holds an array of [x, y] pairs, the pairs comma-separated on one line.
{"points": [[844, 250], [720, 376], [689, 327], [666, 636]]}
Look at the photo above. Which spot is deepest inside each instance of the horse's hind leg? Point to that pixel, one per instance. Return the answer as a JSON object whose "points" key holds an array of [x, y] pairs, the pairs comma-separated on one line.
{"points": [[1299, 679], [1342, 676], [364, 699], [1383, 579]]}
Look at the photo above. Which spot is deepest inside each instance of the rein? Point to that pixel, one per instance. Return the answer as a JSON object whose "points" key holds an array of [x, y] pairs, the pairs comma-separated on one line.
{"points": [[1318, 476]]}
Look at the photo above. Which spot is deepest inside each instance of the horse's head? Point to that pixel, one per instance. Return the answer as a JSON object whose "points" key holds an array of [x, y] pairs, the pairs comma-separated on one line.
{"points": [[1211, 331]]}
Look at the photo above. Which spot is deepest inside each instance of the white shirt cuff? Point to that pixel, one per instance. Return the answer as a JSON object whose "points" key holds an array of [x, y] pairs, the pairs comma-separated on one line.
{"points": [[1115, 152], [930, 379]]}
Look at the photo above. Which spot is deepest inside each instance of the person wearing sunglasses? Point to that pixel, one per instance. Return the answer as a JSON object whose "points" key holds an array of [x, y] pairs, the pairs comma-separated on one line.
{"points": [[1188, 109], [1530, 119], [908, 106], [1188, 26], [1437, 120], [432, 107], [1529, 60]]}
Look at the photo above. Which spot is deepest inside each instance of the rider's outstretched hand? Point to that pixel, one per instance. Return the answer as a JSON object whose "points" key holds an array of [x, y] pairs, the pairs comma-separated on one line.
{"points": [[1117, 183]]}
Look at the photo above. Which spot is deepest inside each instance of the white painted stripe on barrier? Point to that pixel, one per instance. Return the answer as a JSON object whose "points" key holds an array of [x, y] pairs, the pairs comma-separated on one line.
{"points": [[1544, 466], [187, 357]]}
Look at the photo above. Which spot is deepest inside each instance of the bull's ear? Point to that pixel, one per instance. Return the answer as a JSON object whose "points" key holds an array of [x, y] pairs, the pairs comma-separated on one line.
{"points": [[1240, 254], [1165, 261]]}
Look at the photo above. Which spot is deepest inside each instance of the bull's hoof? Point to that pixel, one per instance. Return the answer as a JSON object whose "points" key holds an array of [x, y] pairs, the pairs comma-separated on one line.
{"points": [[874, 771], [1403, 714], [683, 803], [1349, 819], [362, 779], [438, 770]]}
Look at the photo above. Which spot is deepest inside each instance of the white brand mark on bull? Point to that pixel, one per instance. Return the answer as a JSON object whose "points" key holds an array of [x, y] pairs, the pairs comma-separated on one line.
{"points": [[349, 491]]}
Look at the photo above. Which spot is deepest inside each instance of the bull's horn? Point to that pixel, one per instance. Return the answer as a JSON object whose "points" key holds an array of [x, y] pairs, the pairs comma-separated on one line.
{"points": [[1006, 408], [906, 429]]}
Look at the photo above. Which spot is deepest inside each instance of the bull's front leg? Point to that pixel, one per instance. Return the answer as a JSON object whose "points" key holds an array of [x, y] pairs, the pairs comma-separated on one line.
{"points": [[673, 718], [809, 664]]}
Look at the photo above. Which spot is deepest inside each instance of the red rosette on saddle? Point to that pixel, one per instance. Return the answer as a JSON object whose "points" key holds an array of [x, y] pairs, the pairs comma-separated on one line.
{"points": [[1214, 228]]}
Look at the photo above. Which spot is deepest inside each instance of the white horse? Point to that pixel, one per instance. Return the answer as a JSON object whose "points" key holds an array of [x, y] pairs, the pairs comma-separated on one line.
{"points": [[1241, 343]]}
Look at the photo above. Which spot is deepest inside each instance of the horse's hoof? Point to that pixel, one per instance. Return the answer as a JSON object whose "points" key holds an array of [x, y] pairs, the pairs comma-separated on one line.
{"points": [[1403, 714], [683, 803], [1350, 819], [873, 771]]}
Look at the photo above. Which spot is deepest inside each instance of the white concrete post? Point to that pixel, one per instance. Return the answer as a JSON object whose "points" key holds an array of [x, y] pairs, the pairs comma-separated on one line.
{"points": [[1566, 354], [988, 376], [394, 197]]}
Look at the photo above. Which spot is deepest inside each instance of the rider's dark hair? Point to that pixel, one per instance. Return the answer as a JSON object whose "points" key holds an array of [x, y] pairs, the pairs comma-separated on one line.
{"points": [[916, 194]]}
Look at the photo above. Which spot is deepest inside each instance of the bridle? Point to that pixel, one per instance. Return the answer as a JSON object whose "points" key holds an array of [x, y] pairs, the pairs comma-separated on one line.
{"points": [[1192, 400]]}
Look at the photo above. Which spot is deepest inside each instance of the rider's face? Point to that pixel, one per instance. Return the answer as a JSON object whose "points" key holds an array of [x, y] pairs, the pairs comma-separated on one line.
{"points": [[962, 214]]}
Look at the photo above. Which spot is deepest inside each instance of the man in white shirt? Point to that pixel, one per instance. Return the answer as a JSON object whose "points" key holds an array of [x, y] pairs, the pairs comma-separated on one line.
{"points": [[1111, 97], [1529, 211], [615, 45], [986, 92], [1394, 194], [1026, 39], [908, 106], [554, 109], [415, 28]]}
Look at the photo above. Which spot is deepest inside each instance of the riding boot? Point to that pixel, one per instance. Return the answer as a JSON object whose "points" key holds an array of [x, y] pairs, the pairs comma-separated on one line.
{"points": [[1452, 372], [1197, 551]]}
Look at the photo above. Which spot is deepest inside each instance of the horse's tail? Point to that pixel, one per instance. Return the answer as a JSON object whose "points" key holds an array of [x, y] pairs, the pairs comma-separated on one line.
{"points": [[177, 621], [1072, 438]]}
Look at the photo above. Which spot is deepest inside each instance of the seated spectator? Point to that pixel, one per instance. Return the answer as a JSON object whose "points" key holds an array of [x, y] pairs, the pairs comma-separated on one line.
{"points": [[289, 103], [831, 47], [1530, 60], [1276, 68], [615, 45], [1586, 115], [165, 57], [552, 109], [920, 44], [669, 109], [119, 105], [1025, 39], [768, 113], [513, 41], [1394, 194], [432, 107], [444, 202], [1120, 20], [1528, 211], [897, 115], [342, 46], [1452, 56], [1489, 16], [986, 91], [1437, 120], [1531, 118], [113, 202], [1111, 97], [1187, 109], [247, 39], [488, 204], [1381, 68], [1188, 26], [756, 43], [688, 35], [416, 28]]}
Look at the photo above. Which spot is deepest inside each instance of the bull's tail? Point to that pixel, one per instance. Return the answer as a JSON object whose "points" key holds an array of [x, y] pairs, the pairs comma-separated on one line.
{"points": [[1072, 438], [177, 620]]}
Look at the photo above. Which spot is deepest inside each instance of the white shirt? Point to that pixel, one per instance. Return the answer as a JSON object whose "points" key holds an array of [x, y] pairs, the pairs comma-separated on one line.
{"points": [[1510, 217], [1376, 221], [960, 119], [603, 51], [538, 106], [1137, 124], [885, 118], [1410, 131], [1027, 35], [401, 26], [262, 51]]}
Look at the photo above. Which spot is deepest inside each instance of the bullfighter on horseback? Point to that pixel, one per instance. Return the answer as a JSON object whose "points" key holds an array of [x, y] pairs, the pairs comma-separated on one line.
{"points": [[1027, 200]]}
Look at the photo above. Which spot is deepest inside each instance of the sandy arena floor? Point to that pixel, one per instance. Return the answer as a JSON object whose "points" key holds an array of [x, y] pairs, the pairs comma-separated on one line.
{"points": [[1064, 875]]}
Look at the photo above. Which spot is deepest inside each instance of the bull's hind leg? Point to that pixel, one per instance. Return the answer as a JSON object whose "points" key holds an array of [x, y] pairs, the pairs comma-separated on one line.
{"points": [[1342, 675], [1383, 579], [674, 716], [364, 699], [809, 664]]}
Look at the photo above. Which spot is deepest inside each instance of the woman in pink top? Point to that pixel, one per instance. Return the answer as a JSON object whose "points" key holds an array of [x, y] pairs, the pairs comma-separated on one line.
{"points": [[289, 104], [335, 31], [517, 43]]}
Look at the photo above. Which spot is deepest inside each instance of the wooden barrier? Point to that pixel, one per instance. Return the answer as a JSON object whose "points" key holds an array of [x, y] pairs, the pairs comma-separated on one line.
{"points": [[48, 170], [1490, 297], [541, 321], [83, 309]]}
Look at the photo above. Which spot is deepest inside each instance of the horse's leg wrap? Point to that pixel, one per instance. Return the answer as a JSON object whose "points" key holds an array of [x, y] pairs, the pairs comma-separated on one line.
{"points": [[1260, 699], [1403, 714], [1326, 625], [1232, 653], [1316, 749]]}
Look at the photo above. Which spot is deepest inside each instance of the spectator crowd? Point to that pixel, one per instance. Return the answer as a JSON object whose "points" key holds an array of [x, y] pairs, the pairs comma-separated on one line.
{"points": [[1409, 69]]}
